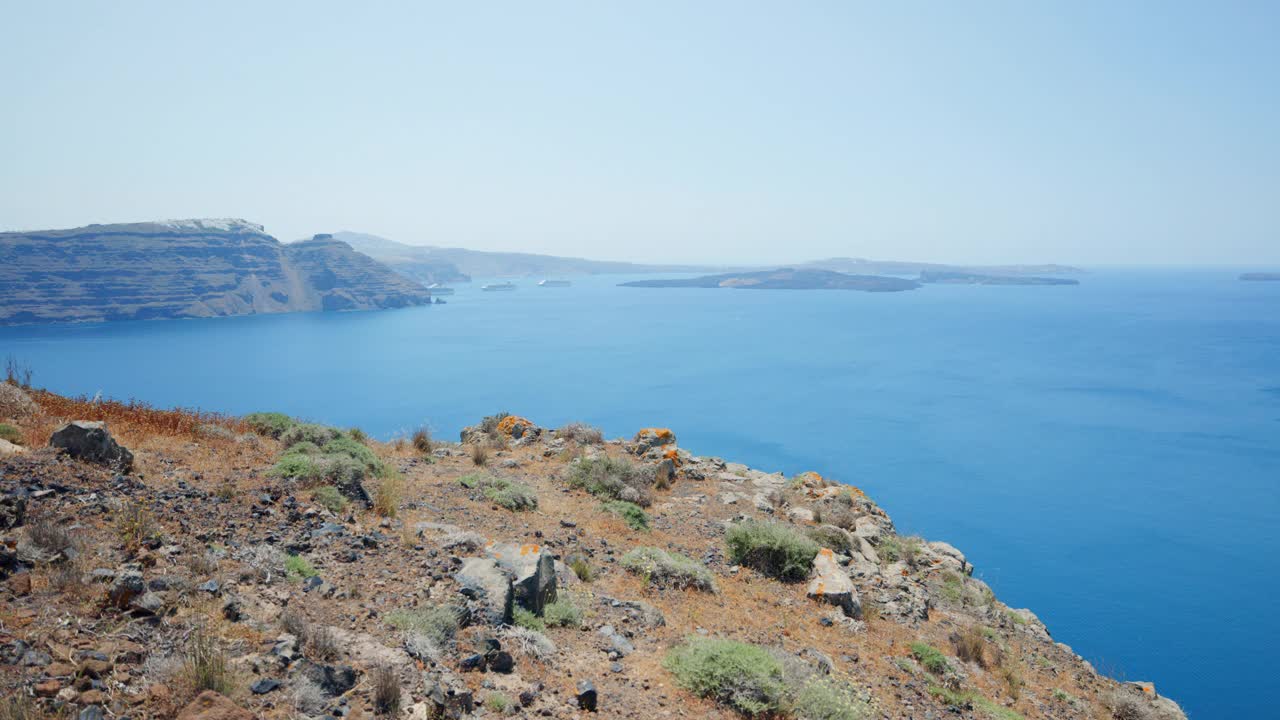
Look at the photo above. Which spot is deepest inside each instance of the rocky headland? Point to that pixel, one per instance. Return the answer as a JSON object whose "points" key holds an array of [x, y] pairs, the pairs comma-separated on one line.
{"points": [[966, 278], [186, 269], [159, 564]]}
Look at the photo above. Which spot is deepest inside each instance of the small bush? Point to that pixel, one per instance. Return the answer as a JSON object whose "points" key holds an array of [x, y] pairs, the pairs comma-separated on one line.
{"points": [[581, 568], [831, 537], [328, 497], [45, 534], [345, 445], [206, 665], [668, 569], [744, 677], [358, 435], [774, 549], [135, 525], [527, 619], [295, 623], [512, 495], [422, 440], [562, 613], [437, 623], [269, 424], [632, 514], [529, 642], [896, 548], [298, 567], [502, 491], [826, 699], [479, 455], [614, 479], [317, 435], [497, 702], [323, 644], [489, 423], [581, 433], [931, 658], [12, 434], [386, 690]]}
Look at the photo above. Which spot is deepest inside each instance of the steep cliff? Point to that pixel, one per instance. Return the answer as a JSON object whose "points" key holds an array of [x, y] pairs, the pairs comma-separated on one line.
{"points": [[185, 268]]}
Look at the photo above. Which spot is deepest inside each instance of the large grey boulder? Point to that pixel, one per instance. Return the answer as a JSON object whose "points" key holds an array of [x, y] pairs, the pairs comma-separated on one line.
{"points": [[830, 583], [88, 440], [483, 581], [533, 571]]}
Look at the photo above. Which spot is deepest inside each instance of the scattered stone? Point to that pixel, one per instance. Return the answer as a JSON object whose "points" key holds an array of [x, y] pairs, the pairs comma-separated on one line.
{"points": [[829, 583], [587, 698], [127, 586], [264, 686]]}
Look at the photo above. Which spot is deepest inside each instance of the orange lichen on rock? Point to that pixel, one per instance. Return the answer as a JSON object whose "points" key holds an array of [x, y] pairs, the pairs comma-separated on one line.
{"points": [[661, 435], [508, 424], [673, 454]]}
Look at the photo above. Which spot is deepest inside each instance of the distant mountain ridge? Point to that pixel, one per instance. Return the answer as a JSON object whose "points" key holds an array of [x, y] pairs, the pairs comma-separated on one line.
{"points": [[430, 264], [186, 268]]}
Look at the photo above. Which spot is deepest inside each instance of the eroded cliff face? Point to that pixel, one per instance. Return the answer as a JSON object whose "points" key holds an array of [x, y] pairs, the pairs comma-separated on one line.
{"points": [[185, 268]]}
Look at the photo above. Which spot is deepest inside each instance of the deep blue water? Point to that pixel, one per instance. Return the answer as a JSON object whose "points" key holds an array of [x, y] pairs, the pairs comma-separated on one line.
{"points": [[1107, 455]]}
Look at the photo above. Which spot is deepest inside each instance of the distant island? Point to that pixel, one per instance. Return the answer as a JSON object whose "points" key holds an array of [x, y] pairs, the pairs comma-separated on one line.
{"points": [[1261, 277], [897, 267], [964, 278], [785, 279], [186, 269]]}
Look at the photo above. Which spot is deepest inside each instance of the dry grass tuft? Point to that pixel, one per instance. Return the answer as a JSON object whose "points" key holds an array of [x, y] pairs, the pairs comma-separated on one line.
{"points": [[422, 440], [479, 455], [386, 690]]}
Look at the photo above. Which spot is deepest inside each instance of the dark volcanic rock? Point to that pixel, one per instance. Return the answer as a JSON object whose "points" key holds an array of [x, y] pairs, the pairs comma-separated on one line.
{"points": [[85, 440]]}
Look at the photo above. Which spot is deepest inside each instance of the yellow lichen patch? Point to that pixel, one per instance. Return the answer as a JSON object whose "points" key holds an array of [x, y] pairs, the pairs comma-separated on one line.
{"points": [[673, 454], [508, 424]]}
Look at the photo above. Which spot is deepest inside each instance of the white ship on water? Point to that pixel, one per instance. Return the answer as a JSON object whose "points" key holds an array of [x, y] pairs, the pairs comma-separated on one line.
{"points": [[554, 283], [496, 287]]}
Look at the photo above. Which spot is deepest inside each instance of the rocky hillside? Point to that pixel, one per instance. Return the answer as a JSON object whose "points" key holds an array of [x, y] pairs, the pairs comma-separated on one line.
{"points": [[162, 564], [187, 268]]}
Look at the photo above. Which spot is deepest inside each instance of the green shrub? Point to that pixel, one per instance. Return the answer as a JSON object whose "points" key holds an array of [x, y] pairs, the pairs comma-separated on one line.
{"points": [[308, 432], [744, 677], [298, 567], [632, 514], [613, 479], [345, 445], [270, 424], [525, 618], [512, 495], [668, 569], [562, 613], [581, 433], [358, 435], [931, 658], [898, 548], [502, 491], [776, 550], [831, 537], [12, 434], [438, 623], [328, 497], [497, 702], [581, 568], [826, 699]]}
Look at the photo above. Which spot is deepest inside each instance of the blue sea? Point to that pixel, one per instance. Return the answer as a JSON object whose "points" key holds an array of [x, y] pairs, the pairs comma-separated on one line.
{"points": [[1107, 455]]}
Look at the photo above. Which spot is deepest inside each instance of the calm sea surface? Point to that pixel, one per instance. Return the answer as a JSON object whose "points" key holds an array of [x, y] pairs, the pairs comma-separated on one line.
{"points": [[1107, 455]]}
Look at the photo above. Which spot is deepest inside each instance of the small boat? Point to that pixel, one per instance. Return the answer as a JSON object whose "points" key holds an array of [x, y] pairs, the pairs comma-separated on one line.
{"points": [[438, 289], [554, 283], [499, 286]]}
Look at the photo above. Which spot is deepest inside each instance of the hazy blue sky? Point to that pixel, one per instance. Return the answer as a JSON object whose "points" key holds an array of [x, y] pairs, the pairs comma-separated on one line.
{"points": [[1087, 132]]}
